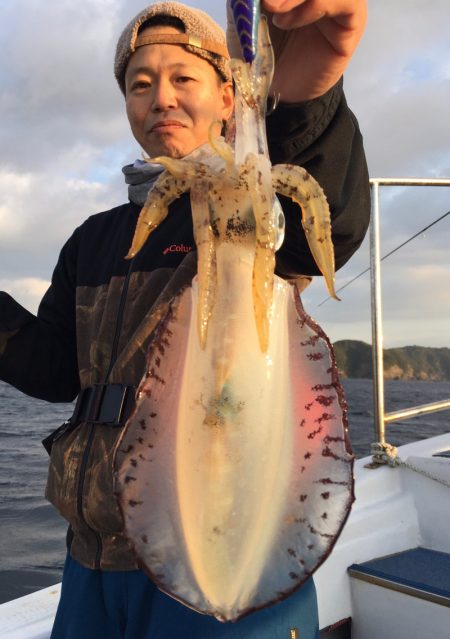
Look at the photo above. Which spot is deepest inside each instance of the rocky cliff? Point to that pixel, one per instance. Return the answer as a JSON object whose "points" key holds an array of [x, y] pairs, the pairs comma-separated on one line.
{"points": [[354, 359]]}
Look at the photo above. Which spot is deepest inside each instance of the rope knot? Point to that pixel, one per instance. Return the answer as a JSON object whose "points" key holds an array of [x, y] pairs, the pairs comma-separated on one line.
{"points": [[384, 454]]}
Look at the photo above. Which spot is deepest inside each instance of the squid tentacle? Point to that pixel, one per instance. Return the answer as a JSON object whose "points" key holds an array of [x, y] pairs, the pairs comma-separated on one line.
{"points": [[165, 190], [224, 150], [207, 270], [296, 183], [258, 175], [176, 180]]}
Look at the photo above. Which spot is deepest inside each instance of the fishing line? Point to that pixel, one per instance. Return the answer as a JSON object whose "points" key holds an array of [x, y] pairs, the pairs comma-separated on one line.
{"points": [[389, 254]]}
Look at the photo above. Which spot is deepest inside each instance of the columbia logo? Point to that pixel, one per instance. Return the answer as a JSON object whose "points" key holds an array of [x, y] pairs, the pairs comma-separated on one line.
{"points": [[177, 248]]}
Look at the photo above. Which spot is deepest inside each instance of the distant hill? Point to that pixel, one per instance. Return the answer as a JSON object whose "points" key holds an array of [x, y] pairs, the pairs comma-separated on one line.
{"points": [[354, 359]]}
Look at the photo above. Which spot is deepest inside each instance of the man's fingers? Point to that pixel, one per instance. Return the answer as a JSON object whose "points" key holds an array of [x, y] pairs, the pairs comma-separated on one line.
{"points": [[282, 5], [292, 14], [298, 17]]}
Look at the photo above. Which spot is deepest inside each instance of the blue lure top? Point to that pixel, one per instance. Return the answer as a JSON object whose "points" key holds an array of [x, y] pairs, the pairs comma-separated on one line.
{"points": [[246, 19]]}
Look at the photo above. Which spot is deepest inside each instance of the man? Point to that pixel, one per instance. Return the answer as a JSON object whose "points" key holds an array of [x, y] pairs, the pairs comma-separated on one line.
{"points": [[89, 328]]}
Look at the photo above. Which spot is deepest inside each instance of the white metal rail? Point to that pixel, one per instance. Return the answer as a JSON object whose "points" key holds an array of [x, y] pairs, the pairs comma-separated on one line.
{"points": [[382, 418]]}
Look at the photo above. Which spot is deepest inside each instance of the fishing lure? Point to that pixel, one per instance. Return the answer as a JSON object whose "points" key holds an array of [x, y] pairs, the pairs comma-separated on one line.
{"points": [[234, 474], [246, 17]]}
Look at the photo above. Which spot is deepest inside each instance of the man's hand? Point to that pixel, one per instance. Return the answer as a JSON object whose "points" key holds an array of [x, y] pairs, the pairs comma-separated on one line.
{"points": [[313, 41]]}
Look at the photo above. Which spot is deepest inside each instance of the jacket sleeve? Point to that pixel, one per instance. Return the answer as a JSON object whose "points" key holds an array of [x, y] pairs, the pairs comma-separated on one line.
{"points": [[322, 135], [38, 353]]}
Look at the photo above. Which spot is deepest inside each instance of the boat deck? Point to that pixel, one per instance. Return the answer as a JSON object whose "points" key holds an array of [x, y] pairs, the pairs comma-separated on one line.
{"points": [[397, 533], [419, 572]]}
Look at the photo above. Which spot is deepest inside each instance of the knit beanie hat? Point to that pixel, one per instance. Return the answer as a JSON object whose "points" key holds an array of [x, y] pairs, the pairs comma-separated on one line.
{"points": [[202, 37]]}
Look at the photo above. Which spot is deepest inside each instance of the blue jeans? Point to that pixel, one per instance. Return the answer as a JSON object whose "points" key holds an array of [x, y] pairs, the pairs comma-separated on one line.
{"points": [[127, 605]]}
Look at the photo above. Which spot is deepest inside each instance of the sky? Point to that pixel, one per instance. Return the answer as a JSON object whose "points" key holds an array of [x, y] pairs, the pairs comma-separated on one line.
{"points": [[64, 138]]}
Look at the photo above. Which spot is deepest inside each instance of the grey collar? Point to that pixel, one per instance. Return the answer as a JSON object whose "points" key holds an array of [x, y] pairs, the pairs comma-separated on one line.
{"points": [[141, 176]]}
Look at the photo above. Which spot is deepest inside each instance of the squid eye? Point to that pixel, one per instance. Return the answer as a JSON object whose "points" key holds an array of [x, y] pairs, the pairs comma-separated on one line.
{"points": [[281, 223]]}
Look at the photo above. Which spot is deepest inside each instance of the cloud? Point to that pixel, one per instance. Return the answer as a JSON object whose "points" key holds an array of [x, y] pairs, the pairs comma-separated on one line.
{"points": [[37, 215], [28, 291], [57, 89], [398, 84], [415, 301], [65, 138]]}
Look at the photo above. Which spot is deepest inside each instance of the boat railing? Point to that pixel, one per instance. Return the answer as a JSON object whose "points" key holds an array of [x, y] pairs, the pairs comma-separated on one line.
{"points": [[380, 416]]}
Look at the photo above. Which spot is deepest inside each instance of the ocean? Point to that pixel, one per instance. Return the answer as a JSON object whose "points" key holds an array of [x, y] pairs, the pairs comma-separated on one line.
{"points": [[32, 535]]}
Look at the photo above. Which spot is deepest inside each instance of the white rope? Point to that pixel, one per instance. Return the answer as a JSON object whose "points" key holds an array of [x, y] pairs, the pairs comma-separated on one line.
{"points": [[386, 455]]}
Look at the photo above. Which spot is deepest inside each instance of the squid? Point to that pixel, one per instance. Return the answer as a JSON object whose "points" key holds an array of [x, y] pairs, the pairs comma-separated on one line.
{"points": [[234, 473]]}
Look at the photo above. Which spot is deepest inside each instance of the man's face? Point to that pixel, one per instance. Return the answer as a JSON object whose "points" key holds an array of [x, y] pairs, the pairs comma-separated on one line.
{"points": [[173, 97]]}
